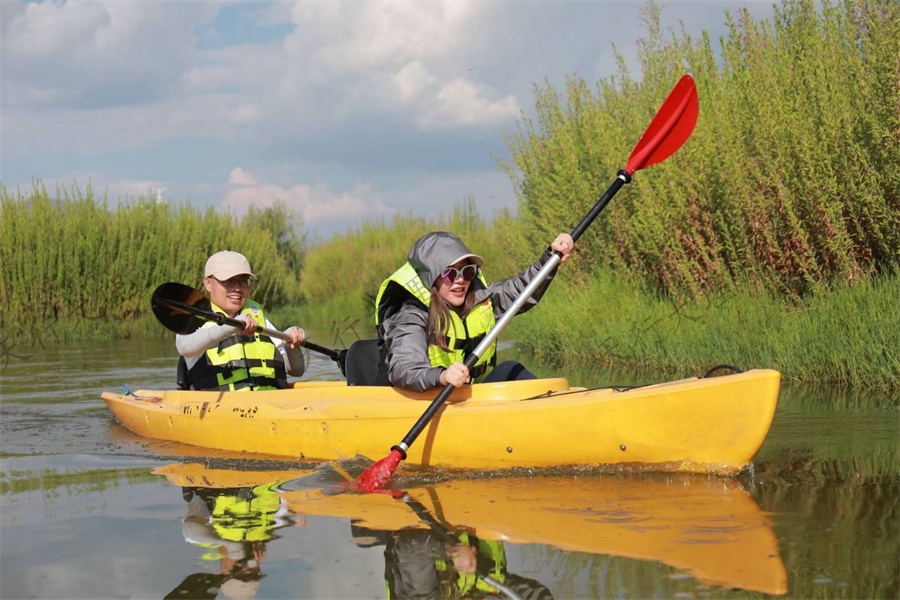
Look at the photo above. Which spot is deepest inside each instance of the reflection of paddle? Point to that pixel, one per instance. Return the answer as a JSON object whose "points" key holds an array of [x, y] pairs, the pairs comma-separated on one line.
{"points": [[183, 309], [449, 538], [199, 586], [669, 129]]}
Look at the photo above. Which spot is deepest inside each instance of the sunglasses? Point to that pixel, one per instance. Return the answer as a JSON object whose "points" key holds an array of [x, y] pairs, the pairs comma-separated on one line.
{"points": [[238, 280], [451, 274]]}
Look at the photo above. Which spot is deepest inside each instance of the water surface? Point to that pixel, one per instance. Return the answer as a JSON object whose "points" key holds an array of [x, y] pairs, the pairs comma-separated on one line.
{"points": [[91, 511]]}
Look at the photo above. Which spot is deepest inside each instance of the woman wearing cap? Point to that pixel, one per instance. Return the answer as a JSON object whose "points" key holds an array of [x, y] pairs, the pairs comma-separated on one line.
{"points": [[227, 358], [433, 312]]}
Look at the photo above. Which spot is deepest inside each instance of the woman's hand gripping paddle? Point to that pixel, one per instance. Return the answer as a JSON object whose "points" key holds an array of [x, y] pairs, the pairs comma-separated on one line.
{"points": [[670, 128], [183, 309]]}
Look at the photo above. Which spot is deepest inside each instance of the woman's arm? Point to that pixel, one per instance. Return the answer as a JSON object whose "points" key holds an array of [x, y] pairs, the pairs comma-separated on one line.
{"points": [[408, 364], [504, 293]]}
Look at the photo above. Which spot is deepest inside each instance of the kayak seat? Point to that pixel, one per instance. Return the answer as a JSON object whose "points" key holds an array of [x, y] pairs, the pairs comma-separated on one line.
{"points": [[365, 364], [181, 374]]}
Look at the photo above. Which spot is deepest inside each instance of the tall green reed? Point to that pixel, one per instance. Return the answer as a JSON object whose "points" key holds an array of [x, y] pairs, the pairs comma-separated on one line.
{"points": [[791, 179], [848, 336], [346, 272], [71, 256]]}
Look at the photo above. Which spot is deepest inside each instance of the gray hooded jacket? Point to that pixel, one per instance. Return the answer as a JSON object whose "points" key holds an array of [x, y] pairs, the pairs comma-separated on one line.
{"points": [[406, 345]]}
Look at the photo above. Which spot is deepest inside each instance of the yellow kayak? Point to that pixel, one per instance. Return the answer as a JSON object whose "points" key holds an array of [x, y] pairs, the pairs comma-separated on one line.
{"points": [[713, 424], [710, 528]]}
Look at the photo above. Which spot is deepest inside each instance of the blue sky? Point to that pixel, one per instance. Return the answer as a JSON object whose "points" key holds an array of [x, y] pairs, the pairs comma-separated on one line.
{"points": [[344, 111]]}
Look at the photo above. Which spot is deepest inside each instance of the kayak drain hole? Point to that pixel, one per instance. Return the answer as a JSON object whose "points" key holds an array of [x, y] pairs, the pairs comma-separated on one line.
{"points": [[622, 447], [509, 449]]}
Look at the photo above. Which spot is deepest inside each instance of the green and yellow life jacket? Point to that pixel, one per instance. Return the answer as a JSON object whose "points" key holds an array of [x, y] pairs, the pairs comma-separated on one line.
{"points": [[240, 362], [248, 516], [462, 335]]}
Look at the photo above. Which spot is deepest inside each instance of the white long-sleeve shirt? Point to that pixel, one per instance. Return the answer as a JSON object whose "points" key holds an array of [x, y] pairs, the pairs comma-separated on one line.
{"points": [[193, 346]]}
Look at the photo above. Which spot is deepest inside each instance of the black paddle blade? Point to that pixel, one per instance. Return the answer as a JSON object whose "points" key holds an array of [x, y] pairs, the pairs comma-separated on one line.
{"points": [[165, 303]]}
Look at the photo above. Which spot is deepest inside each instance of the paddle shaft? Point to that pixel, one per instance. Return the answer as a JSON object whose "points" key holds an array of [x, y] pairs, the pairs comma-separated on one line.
{"points": [[449, 538], [221, 319], [670, 128], [489, 338]]}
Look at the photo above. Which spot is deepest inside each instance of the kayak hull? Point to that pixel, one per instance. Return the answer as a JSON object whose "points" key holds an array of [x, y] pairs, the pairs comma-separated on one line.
{"points": [[714, 424]]}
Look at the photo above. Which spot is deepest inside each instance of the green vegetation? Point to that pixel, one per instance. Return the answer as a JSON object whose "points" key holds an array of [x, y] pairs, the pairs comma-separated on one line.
{"points": [[342, 275], [69, 258], [790, 181], [771, 239], [51, 482], [849, 335]]}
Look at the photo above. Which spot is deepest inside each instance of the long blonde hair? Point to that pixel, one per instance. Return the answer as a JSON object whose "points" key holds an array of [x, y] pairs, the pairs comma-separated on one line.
{"points": [[439, 317]]}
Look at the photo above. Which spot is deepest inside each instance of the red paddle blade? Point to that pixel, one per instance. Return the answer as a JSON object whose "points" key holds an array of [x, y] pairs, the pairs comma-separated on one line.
{"points": [[670, 128], [376, 476]]}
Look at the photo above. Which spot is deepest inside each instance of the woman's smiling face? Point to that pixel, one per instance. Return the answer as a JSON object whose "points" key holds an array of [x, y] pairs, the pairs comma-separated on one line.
{"points": [[454, 286]]}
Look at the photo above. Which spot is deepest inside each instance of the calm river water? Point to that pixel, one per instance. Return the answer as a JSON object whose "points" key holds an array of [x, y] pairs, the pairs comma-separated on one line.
{"points": [[91, 511]]}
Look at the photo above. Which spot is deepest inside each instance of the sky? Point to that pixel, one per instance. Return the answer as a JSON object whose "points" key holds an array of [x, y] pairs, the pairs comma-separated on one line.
{"points": [[344, 111]]}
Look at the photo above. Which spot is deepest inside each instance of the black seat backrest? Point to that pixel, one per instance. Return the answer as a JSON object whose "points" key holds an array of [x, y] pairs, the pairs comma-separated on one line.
{"points": [[181, 375], [365, 364]]}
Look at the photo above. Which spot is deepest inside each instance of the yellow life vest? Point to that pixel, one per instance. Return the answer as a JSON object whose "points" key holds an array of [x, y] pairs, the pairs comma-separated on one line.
{"points": [[461, 336], [241, 362], [250, 515]]}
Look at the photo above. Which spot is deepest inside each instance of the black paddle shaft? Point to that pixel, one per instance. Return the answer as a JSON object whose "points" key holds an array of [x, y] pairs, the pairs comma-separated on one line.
{"points": [[622, 178], [220, 319]]}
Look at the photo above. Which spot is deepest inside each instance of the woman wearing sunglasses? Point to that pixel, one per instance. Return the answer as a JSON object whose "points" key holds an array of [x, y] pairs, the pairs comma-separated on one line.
{"points": [[434, 310]]}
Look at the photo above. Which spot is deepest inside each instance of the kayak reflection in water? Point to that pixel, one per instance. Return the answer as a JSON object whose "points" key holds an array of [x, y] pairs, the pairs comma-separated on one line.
{"points": [[421, 564], [234, 524]]}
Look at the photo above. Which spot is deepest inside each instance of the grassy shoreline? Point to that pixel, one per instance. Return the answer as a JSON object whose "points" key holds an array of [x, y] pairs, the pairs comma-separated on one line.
{"points": [[847, 336]]}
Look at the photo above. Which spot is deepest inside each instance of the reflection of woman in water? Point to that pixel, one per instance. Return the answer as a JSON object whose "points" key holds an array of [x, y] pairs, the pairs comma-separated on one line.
{"points": [[235, 524], [418, 564]]}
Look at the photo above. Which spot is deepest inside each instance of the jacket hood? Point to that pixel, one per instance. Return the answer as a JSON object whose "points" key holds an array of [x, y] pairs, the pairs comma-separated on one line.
{"points": [[435, 251]]}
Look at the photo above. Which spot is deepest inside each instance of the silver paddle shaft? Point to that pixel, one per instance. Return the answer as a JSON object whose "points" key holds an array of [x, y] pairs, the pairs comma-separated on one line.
{"points": [[513, 310]]}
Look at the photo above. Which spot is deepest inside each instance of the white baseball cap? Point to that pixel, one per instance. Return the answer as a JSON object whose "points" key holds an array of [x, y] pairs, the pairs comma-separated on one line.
{"points": [[226, 264]]}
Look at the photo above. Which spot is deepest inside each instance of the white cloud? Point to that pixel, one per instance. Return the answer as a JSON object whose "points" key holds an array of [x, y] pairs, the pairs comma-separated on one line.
{"points": [[316, 203], [399, 58], [409, 97], [240, 177], [463, 103], [350, 37], [411, 81], [99, 54]]}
